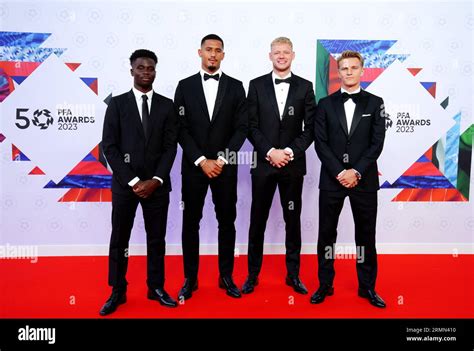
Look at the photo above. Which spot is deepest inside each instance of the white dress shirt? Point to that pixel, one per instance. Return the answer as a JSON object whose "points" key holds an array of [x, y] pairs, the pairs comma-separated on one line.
{"points": [[210, 87], [281, 94], [139, 100], [349, 107]]}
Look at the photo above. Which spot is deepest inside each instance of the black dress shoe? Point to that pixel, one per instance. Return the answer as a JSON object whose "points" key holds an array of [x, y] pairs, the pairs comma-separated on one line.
{"points": [[116, 299], [249, 285], [297, 285], [373, 298], [228, 284], [321, 293], [162, 297], [186, 291]]}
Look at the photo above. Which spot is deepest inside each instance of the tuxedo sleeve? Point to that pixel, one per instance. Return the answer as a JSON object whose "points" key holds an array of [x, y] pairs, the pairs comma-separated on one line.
{"points": [[240, 120], [111, 145], [374, 150], [304, 140], [190, 149], [321, 142], [256, 137], [170, 139]]}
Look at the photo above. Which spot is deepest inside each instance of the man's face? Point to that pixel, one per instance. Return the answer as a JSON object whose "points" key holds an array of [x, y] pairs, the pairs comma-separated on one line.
{"points": [[281, 56], [350, 70], [211, 54], [143, 72]]}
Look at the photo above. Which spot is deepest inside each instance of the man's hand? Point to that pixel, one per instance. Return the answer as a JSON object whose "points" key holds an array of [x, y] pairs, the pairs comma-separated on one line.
{"points": [[145, 188], [348, 178], [278, 158], [211, 168]]}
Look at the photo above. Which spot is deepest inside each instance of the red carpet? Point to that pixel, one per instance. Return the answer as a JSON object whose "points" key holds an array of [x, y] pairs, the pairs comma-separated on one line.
{"points": [[414, 286]]}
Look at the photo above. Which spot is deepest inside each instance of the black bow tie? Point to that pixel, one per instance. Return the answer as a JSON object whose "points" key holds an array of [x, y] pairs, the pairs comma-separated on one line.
{"points": [[355, 97], [286, 80], [214, 76]]}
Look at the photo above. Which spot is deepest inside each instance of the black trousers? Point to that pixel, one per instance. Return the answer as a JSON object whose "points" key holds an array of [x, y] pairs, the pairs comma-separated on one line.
{"points": [[263, 190], [364, 211], [224, 197], [155, 214]]}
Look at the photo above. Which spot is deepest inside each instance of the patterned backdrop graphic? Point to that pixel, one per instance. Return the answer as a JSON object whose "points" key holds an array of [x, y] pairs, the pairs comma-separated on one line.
{"points": [[442, 173], [59, 55], [21, 53]]}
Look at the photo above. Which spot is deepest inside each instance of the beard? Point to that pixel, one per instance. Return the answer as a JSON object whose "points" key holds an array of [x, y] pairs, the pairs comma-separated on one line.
{"points": [[212, 68]]}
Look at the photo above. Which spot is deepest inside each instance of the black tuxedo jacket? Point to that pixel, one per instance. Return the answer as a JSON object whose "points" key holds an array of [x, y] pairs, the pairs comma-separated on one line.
{"points": [[124, 145], [359, 148], [294, 130], [202, 136]]}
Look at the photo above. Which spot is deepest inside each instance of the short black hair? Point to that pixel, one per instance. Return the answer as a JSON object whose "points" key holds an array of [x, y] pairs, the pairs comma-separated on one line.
{"points": [[143, 53], [212, 37]]}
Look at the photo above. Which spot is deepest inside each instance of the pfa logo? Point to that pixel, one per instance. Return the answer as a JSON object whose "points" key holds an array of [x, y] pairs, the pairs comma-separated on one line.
{"points": [[41, 118]]}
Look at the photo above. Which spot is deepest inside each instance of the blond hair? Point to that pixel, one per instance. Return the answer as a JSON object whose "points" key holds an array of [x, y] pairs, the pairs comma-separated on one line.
{"points": [[350, 54], [281, 40]]}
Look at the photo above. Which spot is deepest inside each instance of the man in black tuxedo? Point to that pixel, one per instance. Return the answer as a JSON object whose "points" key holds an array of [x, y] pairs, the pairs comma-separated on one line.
{"points": [[212, 110], [281, 112], [139, 142], [349, 135]]}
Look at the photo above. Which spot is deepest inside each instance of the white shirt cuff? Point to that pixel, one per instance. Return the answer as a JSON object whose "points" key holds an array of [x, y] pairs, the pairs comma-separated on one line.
{"points": [[159, 179], [199, 160], [292, 155], [223, 160], [134, 181], [268, 154], [269, 151]]}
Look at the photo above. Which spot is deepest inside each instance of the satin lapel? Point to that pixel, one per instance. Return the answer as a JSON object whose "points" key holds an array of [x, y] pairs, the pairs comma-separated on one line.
{"points": [[132, 111], [291, 96], [220, 95], [199, 91], [271, 95], [155, 113], [360, 107], [340, 112]]}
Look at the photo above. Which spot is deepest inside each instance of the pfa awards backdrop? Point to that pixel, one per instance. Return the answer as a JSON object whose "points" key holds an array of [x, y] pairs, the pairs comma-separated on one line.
{"points": [[61, 62]]}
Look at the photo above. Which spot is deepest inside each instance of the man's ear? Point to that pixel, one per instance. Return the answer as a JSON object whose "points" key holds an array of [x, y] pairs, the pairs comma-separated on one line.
{"points": [[362, 72], [131, 72]]}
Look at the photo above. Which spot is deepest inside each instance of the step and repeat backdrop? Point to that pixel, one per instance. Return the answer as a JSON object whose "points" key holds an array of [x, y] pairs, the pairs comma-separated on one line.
{"points": [[61, 62]]}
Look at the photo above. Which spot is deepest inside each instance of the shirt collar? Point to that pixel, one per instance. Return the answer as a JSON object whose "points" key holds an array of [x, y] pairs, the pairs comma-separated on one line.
{"points": [[352, 92], [138, 94]]}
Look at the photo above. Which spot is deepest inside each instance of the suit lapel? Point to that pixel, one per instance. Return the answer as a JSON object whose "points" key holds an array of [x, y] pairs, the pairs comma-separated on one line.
{"points": [[340, 112], [360, 107], [291, 95], [198, 88], [220, 95], [155, 113], [271, 95], [132, 111]]}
